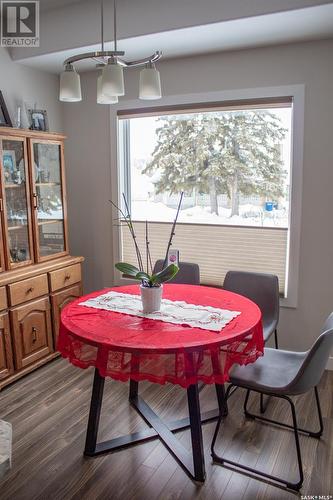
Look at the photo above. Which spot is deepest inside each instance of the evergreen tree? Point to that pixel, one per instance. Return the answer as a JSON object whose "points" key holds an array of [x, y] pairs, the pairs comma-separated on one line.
{"points": [[232, 152]]}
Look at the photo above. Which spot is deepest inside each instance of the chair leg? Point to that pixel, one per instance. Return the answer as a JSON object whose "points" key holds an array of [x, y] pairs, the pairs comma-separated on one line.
{"points": [[319, 433], [201, 386], [263, 405], [315, 434], [276, 339], [223, 414], [298, 485], [222, 401], [223, 396], [233, 391], [230, 392], [221, 460]]}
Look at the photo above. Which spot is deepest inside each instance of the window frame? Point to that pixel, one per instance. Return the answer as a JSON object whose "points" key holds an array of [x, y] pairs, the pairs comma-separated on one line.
{"points": [[222, 100]]}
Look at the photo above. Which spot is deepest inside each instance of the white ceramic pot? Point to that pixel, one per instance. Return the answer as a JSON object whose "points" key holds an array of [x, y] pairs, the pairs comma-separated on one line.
{"points": [[151, 298]]}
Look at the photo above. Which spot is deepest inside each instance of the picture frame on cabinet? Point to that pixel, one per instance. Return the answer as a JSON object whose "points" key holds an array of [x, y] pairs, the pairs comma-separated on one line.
{"points": [[38, 120], [5, 120]]}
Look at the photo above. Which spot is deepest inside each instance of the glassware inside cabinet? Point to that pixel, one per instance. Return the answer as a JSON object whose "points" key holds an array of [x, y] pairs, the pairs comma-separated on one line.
{"points": [[49, 198], [16, 202]]}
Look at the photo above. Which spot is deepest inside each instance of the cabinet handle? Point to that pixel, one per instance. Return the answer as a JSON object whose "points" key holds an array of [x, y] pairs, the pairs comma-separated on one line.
{"points": [[1, 205], [67, 277], [34, 334], [30, 290], [36, 201]]}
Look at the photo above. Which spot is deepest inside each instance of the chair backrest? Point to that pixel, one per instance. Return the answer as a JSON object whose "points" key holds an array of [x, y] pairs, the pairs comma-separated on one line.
{"points": [[263, 289], [315, 361], [188, 273]]}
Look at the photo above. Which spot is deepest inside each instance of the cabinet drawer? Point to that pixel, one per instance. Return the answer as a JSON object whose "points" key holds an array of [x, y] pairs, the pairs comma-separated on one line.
{"points": [[3, 298], [32, 331], [59, 300], [25, 290], [65, 277]]}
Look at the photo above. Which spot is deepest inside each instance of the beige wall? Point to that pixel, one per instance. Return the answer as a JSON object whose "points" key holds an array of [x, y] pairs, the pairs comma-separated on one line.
{"points": [[89, 178], [20, 84]]}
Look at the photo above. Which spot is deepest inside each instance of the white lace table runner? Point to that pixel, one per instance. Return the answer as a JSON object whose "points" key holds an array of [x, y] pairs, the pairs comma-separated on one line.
{"points": [[179, 312]]}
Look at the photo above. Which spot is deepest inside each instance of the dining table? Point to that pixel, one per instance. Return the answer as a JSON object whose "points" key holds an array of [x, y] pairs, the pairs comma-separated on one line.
{"points": [[132, 348]]}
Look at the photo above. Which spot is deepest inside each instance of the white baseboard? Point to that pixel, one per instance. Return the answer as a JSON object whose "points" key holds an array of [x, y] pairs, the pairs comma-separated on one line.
{"points": [[329, 365]]}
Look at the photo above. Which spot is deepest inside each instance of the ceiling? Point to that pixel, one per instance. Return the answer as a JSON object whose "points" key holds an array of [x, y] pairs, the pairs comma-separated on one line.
{"points": [[46, 5], [311, 23]]}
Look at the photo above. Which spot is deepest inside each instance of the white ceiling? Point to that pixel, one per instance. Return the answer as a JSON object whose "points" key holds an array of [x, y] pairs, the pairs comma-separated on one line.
{"points": [[310, 23]]}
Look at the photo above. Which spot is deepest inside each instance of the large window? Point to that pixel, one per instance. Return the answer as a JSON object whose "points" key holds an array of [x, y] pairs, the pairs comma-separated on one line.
{"points": [[233, 165]]}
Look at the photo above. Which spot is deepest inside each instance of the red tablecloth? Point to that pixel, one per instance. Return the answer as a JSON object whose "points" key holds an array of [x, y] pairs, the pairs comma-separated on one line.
{"points": [[123, 346]]}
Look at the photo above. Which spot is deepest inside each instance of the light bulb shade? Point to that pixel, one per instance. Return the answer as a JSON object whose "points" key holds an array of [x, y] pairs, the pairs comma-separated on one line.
{"points": [[150, 84], [112, 80], [101, 98], [70, 86]]}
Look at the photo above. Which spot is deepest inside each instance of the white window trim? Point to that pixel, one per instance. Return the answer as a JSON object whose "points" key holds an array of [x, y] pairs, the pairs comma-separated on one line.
{"points": [[297, 93]]}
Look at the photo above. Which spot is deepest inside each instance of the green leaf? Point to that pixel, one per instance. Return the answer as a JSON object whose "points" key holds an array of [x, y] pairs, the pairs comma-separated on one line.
{"points": [[127, 269], [142, 276], [165, 275]]}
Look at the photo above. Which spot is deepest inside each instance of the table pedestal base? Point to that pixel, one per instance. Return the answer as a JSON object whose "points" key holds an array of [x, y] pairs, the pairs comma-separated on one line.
{"points": [[193, 463]]}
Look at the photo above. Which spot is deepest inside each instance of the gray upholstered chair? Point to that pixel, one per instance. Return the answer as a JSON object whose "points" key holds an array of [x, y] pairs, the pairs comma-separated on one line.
{"points": [[263, 289], [282, 374], [188, 273]]}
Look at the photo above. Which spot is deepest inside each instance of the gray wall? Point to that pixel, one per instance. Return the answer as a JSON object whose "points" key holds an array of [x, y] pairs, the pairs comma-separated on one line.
{"points": [[20, 84], [87, 154], [89, 178]]}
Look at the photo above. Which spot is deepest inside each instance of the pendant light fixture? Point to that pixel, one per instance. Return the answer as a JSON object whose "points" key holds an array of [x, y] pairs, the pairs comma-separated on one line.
{"points": [[102, 98], [70, 85], [110, 83], [113, 78], [150, 83]]}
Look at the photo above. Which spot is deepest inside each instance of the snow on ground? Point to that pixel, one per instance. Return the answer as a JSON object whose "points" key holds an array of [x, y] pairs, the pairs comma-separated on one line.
{"points": [[154, 211], [250, 215], [142, 183]]}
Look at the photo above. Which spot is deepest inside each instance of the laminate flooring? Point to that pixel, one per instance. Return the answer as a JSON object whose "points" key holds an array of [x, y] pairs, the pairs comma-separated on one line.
{"points": [[48, 410]]}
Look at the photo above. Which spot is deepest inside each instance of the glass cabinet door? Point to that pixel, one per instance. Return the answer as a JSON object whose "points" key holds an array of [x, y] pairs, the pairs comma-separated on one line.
{"points": [[48, 177], [16, 202]]}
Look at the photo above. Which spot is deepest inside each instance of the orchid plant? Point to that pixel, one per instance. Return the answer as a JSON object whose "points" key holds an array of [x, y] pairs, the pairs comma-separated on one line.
{"points": [[148, 279]]}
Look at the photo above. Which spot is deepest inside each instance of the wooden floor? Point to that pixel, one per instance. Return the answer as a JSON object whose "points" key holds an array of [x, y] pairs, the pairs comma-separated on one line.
{"points": [[48, 410]]}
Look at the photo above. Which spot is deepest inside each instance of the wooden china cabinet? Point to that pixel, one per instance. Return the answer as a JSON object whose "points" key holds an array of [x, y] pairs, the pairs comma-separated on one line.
{"points": [[38, 277]]}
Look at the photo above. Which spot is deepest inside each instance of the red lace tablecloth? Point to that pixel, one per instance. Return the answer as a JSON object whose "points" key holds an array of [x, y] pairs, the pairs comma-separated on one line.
{"points": [[124, 347]]}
